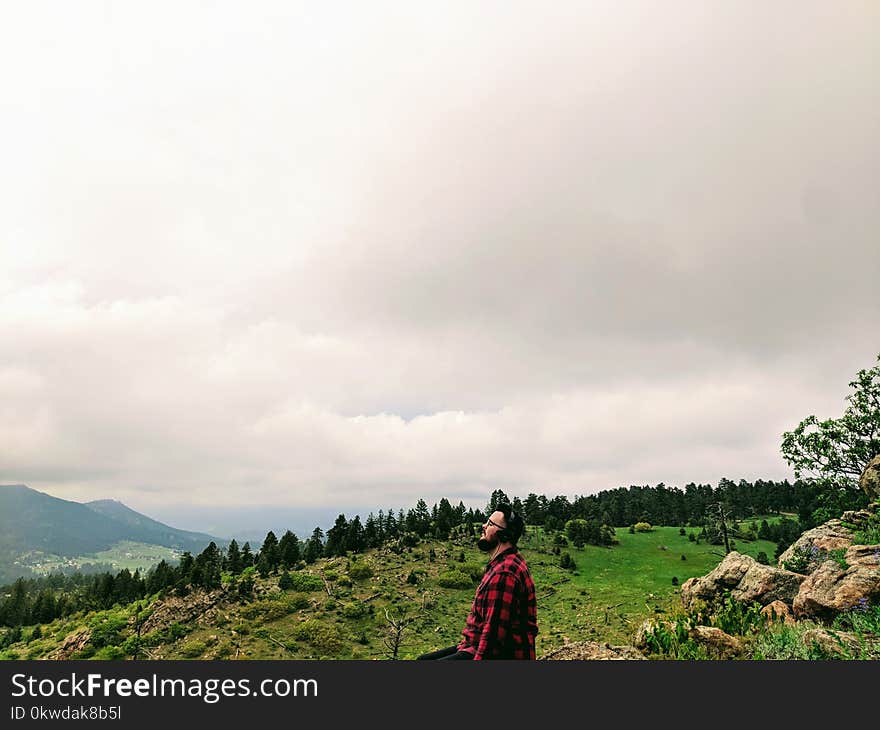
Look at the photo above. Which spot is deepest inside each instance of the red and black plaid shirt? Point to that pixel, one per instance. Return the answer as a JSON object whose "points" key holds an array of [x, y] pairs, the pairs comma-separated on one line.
{"points": [[504, 617]]}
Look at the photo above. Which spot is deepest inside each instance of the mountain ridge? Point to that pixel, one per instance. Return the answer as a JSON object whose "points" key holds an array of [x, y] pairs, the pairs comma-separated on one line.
{"points": [[35, 522]]}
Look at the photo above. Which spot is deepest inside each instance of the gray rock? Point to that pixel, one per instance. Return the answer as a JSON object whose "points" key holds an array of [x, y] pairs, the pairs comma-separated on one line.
{"points": [[869, 481], [832, 643], [831, 535], [718, 644], [746, 579], [831, 589]]}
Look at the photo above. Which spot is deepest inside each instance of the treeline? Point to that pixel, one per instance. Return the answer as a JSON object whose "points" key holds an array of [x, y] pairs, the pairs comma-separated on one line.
{"points": [[813, 502]]}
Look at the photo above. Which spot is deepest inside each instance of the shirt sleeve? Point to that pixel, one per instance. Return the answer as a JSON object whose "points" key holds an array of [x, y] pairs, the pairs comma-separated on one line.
{"points": [[499, 594]]}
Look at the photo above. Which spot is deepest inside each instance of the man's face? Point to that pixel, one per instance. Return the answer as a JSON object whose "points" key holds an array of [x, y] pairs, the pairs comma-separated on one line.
{"points": [[489, 536]]}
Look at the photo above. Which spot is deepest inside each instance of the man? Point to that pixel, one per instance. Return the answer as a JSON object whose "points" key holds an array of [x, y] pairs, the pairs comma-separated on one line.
{"points": [[502, 623]]}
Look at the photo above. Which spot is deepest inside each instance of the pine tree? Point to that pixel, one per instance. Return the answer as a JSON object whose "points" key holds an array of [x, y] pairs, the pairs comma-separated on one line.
{"points": [[270, 553], [233, 558], [247, 557], [289, 549]]}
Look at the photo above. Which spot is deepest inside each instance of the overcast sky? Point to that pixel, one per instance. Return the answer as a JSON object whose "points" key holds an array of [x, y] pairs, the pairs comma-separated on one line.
{"points": [[346, 255]]}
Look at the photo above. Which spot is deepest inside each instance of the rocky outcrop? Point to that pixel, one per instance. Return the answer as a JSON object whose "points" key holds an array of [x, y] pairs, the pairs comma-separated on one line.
{"points": [[746, 579], [832, 535], [72, 644], [197, 606], [832, 588], [592, 651], [869, 481]]}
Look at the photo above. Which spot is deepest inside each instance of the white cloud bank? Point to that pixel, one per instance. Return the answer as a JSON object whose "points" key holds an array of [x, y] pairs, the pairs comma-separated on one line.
{"points": [[347, 257]]}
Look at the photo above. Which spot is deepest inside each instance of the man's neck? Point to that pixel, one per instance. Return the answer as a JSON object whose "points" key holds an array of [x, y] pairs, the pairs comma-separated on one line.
{"points": [[502, 546]]}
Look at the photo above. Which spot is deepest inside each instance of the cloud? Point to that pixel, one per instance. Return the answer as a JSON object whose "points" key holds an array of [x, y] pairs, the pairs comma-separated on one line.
{"points": [[348, 258]]}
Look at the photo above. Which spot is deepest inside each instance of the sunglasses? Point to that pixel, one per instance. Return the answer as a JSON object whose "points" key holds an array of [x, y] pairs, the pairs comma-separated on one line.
{"points": [[489, 522]]}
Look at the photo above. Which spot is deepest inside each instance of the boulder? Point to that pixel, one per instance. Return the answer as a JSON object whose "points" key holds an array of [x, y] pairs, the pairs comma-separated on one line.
{"points": [[778, 611], [831, 535], [832, 643], [746, 579], [73, 643], [718, 645], [593, 650], [869, 481], [646, 628], [832, 589]]}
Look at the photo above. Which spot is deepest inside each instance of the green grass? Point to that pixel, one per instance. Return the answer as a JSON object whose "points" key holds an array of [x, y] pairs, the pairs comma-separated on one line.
{"points": [[614, 588], [124, 554], [136, 555]]}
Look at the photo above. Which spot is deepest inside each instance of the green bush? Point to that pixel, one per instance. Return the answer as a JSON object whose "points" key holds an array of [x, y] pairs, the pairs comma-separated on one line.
{"points": [[318, 634], [106, 631], [360, 571], [455, 579], [642, 527], [193, 649], [306, 583], [355, 610]]}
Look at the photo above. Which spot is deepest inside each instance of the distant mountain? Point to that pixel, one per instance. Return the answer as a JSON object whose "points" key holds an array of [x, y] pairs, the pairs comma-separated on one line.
{"points": [[34, 521], [157, 532]]}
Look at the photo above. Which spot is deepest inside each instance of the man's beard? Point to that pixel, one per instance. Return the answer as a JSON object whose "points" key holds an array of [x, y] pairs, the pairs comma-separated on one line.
{"points": [[486, 545]]}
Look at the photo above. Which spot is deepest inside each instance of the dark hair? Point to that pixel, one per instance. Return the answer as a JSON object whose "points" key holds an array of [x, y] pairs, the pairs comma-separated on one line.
{"points": [[513, 520]]}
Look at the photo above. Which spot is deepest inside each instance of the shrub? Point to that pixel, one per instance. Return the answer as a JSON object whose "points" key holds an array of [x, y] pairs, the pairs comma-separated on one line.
{"points": [[306, 583], [105, 632], [320, 635], [762, 558], [193, 649], [642, 527], [674, 580], [839, 556], [454, 579], [354, 610], [360, 571], [802, 558], [692, 537]]}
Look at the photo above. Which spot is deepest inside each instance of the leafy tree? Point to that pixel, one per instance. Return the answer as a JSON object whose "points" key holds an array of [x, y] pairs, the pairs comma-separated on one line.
{"points": [[839, 449]]}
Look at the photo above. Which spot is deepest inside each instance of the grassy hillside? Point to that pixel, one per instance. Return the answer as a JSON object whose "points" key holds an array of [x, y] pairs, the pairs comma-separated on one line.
{"points": [[337, 609]]}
